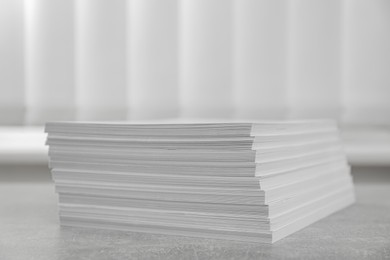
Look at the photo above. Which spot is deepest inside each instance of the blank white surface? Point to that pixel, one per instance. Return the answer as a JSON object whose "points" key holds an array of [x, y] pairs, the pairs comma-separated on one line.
{"points": [[23, 145]]}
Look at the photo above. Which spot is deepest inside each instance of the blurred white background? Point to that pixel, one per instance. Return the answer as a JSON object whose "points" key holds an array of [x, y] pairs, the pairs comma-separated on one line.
{"points": [[225, 59]]}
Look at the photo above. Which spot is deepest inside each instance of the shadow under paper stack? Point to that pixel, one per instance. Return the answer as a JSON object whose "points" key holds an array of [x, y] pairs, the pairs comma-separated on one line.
{"points": [[254, 182]]}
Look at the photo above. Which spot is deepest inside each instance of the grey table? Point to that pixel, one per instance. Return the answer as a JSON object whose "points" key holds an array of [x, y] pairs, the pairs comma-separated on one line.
{"points": [[29, 229]]}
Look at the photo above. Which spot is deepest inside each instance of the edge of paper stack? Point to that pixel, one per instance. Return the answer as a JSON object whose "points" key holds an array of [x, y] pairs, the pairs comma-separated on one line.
{"points": [[257, 182]]}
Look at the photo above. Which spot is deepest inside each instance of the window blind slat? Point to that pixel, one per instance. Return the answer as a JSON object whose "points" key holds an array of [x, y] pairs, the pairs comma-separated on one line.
{"points": [[260, 33], [314, 58], [101, 59], [206, 66], [12, 92], [153, 59], [49, 60], [141, 59], [367, 61]]}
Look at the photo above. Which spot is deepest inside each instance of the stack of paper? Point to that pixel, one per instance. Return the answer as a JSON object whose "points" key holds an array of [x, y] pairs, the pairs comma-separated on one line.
{"points": [[241, 181]]}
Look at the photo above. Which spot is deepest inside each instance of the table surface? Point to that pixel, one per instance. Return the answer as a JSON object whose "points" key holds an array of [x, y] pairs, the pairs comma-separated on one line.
{"points": [[29, 229]]}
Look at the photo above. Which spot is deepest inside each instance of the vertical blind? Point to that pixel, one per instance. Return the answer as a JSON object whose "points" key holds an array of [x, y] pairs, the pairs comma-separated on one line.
{"points": [[146, 59], [100, 59], [153, 90], [12, 71], [49, 60]]}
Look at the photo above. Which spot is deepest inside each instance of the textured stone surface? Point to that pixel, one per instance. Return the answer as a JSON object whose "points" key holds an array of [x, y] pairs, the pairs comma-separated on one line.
{"points": [[29, 229]]}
